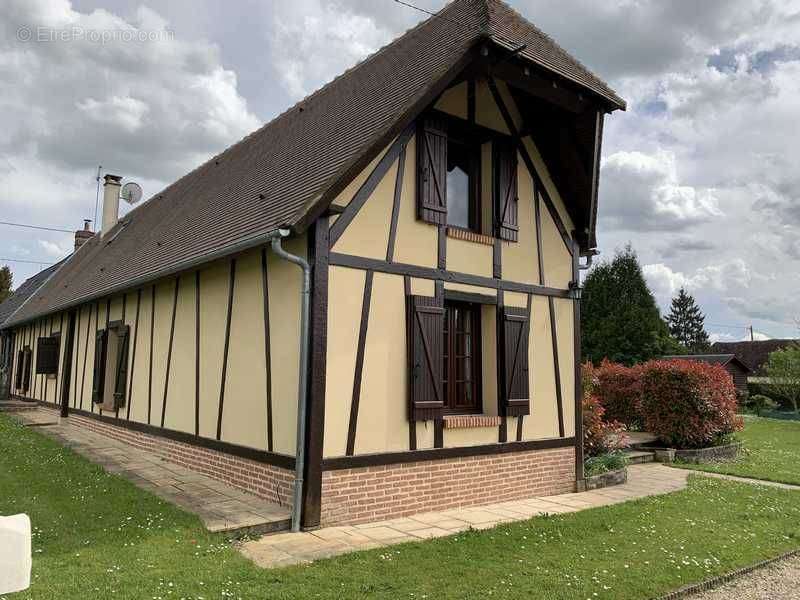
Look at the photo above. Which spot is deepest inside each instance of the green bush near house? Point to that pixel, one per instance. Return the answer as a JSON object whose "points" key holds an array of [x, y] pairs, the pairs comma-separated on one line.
{"points": [[597, 465]]}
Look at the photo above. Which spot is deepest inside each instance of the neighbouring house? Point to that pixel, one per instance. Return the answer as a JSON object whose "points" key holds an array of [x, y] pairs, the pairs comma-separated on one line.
{"points": [[443, 192], [754, 353], [737, 369]]}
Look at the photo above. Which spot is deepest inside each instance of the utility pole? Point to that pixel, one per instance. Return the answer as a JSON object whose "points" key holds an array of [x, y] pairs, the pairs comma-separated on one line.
{"points": [[752, 336]]}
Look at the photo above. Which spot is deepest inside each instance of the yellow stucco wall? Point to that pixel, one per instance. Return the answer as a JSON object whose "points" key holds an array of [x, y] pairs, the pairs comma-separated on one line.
{"points": [[382, 424], [244, 420]]}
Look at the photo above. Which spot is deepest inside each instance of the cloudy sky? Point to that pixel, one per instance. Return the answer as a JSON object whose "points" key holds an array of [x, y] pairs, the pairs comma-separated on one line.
{"points": [[701, 174]]}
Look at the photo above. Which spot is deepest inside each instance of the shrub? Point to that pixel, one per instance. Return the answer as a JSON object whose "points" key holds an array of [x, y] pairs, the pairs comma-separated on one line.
{"points": [[688, 404], [599, 435], [619, 389], [760, 403], [595, 465]]}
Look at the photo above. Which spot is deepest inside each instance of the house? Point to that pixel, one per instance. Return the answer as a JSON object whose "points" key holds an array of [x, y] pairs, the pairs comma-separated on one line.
{"points": [[432, 205], [7, 308], [754, 353], [737, 369]]}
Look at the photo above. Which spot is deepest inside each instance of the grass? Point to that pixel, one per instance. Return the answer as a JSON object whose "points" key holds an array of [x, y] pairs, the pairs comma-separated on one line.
{"points": [[771, 452], [97, 536]]}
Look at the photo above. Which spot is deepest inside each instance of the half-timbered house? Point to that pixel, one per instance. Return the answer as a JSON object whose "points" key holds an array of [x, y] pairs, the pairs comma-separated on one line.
{"points": [[438, 198]]}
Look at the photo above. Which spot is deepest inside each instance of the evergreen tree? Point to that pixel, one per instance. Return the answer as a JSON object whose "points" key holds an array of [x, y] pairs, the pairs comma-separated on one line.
{"points": [[620, 319], [6, 279], [687, 323]]}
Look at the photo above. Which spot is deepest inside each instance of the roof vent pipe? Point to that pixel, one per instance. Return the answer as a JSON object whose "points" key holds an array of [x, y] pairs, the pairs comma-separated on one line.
{"points": [[110, 203], [302, 388]]}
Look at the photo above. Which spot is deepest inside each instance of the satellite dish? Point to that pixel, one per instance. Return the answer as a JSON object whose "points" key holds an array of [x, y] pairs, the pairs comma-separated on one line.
{"points": [[131, 192]]}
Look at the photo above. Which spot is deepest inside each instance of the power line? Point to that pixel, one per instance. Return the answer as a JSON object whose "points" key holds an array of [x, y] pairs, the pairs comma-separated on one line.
{"points": [[36, 227], [30, 262]]}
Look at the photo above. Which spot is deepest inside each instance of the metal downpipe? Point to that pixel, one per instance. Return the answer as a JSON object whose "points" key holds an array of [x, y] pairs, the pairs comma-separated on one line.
{"points": [[302, 395]]}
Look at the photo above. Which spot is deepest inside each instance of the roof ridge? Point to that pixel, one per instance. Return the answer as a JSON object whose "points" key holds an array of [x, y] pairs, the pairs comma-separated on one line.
{"points": [[297, 106], [547, 38]]}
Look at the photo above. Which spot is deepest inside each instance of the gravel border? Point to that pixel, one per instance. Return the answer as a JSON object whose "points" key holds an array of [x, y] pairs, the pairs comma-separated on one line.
{"points": [[715, 582]]}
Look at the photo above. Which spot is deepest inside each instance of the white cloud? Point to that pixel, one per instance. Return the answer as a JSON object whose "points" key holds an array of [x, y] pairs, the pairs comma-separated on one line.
{"points": [[642, 191], [313, 41]]}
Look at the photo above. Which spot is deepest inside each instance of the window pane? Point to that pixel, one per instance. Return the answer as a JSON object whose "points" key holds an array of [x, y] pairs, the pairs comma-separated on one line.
{"points": [[458, 197]]}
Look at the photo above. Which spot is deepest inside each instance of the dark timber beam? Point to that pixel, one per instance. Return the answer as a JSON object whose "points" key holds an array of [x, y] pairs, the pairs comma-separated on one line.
{"points": [[369, 185], [442, 275], [512, 127], [318, 250]]}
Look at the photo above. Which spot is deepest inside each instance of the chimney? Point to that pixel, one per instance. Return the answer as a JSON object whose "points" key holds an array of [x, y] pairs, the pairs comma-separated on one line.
{"points": [[83, 234], [110, 203]]}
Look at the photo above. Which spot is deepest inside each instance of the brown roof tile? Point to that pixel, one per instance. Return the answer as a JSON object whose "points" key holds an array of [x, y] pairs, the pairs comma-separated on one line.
{"points": [[280, 174]]}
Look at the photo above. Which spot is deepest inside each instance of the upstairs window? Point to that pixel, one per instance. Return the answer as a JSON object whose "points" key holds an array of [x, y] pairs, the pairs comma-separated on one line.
{"points": [[452, 157], [463, 183]]}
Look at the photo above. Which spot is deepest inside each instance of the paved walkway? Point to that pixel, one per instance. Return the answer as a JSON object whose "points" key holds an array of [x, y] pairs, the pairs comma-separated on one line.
{"points": [[221, 507], [293, 548]]}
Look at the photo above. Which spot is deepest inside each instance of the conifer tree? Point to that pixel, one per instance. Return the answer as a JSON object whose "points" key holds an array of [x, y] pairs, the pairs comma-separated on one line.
{"points": [[620, 319], [687, 323], [6, 279]]}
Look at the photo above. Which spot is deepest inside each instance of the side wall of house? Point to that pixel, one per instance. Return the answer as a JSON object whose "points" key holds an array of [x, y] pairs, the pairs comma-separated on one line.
{"points": [[367, 304], [198, 350]]}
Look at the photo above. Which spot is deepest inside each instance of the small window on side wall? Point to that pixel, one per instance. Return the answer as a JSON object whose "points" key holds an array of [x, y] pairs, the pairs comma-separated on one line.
{"points": [[111, 366], [47, 353]]}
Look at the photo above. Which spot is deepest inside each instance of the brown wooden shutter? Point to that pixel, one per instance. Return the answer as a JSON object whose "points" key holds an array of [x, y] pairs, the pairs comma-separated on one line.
{"points": [[47, 351], [425, 340], [432, 171], [514, 354], [20, 369], [99, 377], [121, 376], [26, 371], [506, 222]]}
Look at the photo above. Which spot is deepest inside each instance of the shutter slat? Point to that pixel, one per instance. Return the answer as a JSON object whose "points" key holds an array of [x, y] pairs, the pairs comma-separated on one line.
{"points": [[26, 374], [506, 199], [20, 369], [121, 376], [432, 171], [99, 376], [425, 332], [516, 387]]}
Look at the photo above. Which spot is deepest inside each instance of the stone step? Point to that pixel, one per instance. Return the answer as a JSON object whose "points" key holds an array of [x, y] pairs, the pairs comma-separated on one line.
{"points": [[639, 457], [17, 406]]}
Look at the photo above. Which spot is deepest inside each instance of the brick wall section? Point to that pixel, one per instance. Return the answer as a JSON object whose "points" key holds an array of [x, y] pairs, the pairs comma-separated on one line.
{"points": [[266, 481], [384, 492]]}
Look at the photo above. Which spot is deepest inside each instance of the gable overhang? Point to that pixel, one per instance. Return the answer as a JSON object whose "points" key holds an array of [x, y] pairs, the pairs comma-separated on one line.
{"points": [[574, 164]]}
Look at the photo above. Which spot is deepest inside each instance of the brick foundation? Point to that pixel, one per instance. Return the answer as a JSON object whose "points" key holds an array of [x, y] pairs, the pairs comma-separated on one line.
{"points": [[388, 491], [266, 481]]}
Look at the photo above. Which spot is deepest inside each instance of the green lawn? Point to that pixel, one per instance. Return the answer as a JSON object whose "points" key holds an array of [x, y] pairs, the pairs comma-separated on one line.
{"points": [[772, 452], [97, 536]]}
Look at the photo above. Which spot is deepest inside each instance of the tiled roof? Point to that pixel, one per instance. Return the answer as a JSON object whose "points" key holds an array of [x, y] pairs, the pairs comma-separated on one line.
{"points": [[285, 172], [714, 359], [755, 353], [24, 291]]}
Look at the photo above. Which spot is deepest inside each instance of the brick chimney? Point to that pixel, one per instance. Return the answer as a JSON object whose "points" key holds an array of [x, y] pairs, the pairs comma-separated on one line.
{"points": [[82, 235]]}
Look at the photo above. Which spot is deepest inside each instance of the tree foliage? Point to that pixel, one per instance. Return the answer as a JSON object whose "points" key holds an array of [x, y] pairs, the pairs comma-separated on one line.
{"points": [[620, 320], [6, 279], [686, 323], [783, 370]]}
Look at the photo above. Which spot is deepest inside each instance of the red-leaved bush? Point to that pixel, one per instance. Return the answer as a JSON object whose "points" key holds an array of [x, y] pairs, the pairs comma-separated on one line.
{"points": [[688, 404], [600, 436], [618, 389]]}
